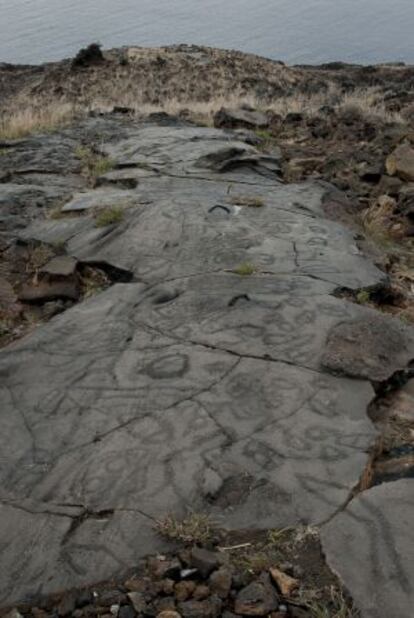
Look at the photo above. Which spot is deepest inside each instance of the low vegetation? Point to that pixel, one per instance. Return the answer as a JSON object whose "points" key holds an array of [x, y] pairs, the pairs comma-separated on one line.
{"points": [[32, 119], [94, 164], [193, 529]]}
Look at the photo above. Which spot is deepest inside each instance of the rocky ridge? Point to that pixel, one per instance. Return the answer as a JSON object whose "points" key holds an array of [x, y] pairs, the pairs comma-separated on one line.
{"points": [[217, 361]]}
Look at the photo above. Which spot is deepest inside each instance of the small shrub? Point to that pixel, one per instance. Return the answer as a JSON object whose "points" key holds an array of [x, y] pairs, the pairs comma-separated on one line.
{"points": [[245, 269], [195, 528], [109, 216], [88, 56]]}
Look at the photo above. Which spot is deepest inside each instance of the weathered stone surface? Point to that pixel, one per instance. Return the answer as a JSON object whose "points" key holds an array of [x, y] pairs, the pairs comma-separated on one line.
{"points": [[371, 547], [192, 385]]}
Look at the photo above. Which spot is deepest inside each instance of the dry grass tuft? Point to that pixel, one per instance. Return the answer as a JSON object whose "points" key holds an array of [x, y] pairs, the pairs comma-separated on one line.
{"points": [[32, 119], [195, 528], [377, 220], [338, 607]]}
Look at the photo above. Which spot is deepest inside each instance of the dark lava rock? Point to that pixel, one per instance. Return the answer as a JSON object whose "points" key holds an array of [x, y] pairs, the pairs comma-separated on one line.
{"points": [[126, 611], [258, 598], [46, 291], [201, 592], [83, 598], [220, 582], [210, 608], [204, 560], [165, 604], [112, 597], [184, 590]]}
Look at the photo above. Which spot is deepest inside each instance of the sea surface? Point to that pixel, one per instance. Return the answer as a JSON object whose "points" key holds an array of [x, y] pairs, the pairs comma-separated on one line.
{"points": [[295, 31]]}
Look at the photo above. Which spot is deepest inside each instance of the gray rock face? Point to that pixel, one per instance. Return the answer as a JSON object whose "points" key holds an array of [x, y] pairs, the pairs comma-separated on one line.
{"points": [[371, 547], [192, 385]]}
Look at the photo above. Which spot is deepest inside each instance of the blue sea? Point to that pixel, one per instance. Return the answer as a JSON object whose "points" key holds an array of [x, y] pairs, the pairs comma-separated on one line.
{"points": [[295, 31]]}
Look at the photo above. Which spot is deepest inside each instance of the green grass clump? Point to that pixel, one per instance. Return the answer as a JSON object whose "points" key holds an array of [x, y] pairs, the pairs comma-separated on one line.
{"points": [[109, 216], [245, 269], [363, 297], [263, 134]]}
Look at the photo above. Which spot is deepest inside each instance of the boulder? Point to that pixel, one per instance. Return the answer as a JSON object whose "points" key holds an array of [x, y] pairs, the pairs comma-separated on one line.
{"points": [[372, 347], [401, 163], [227, 118], [257, 599]]}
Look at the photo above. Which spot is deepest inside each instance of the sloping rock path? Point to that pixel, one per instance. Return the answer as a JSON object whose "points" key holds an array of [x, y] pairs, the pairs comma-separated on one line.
{"points": [[225, 377]]}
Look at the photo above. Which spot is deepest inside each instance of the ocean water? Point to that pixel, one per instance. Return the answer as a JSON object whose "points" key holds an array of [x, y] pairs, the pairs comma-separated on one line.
{"points": [[295, 31]]}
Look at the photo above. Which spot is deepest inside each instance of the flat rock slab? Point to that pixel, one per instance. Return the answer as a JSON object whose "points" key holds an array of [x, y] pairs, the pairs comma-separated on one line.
{"points": [[60, 266], [94, 200], [370, 545], [193, 386]]}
